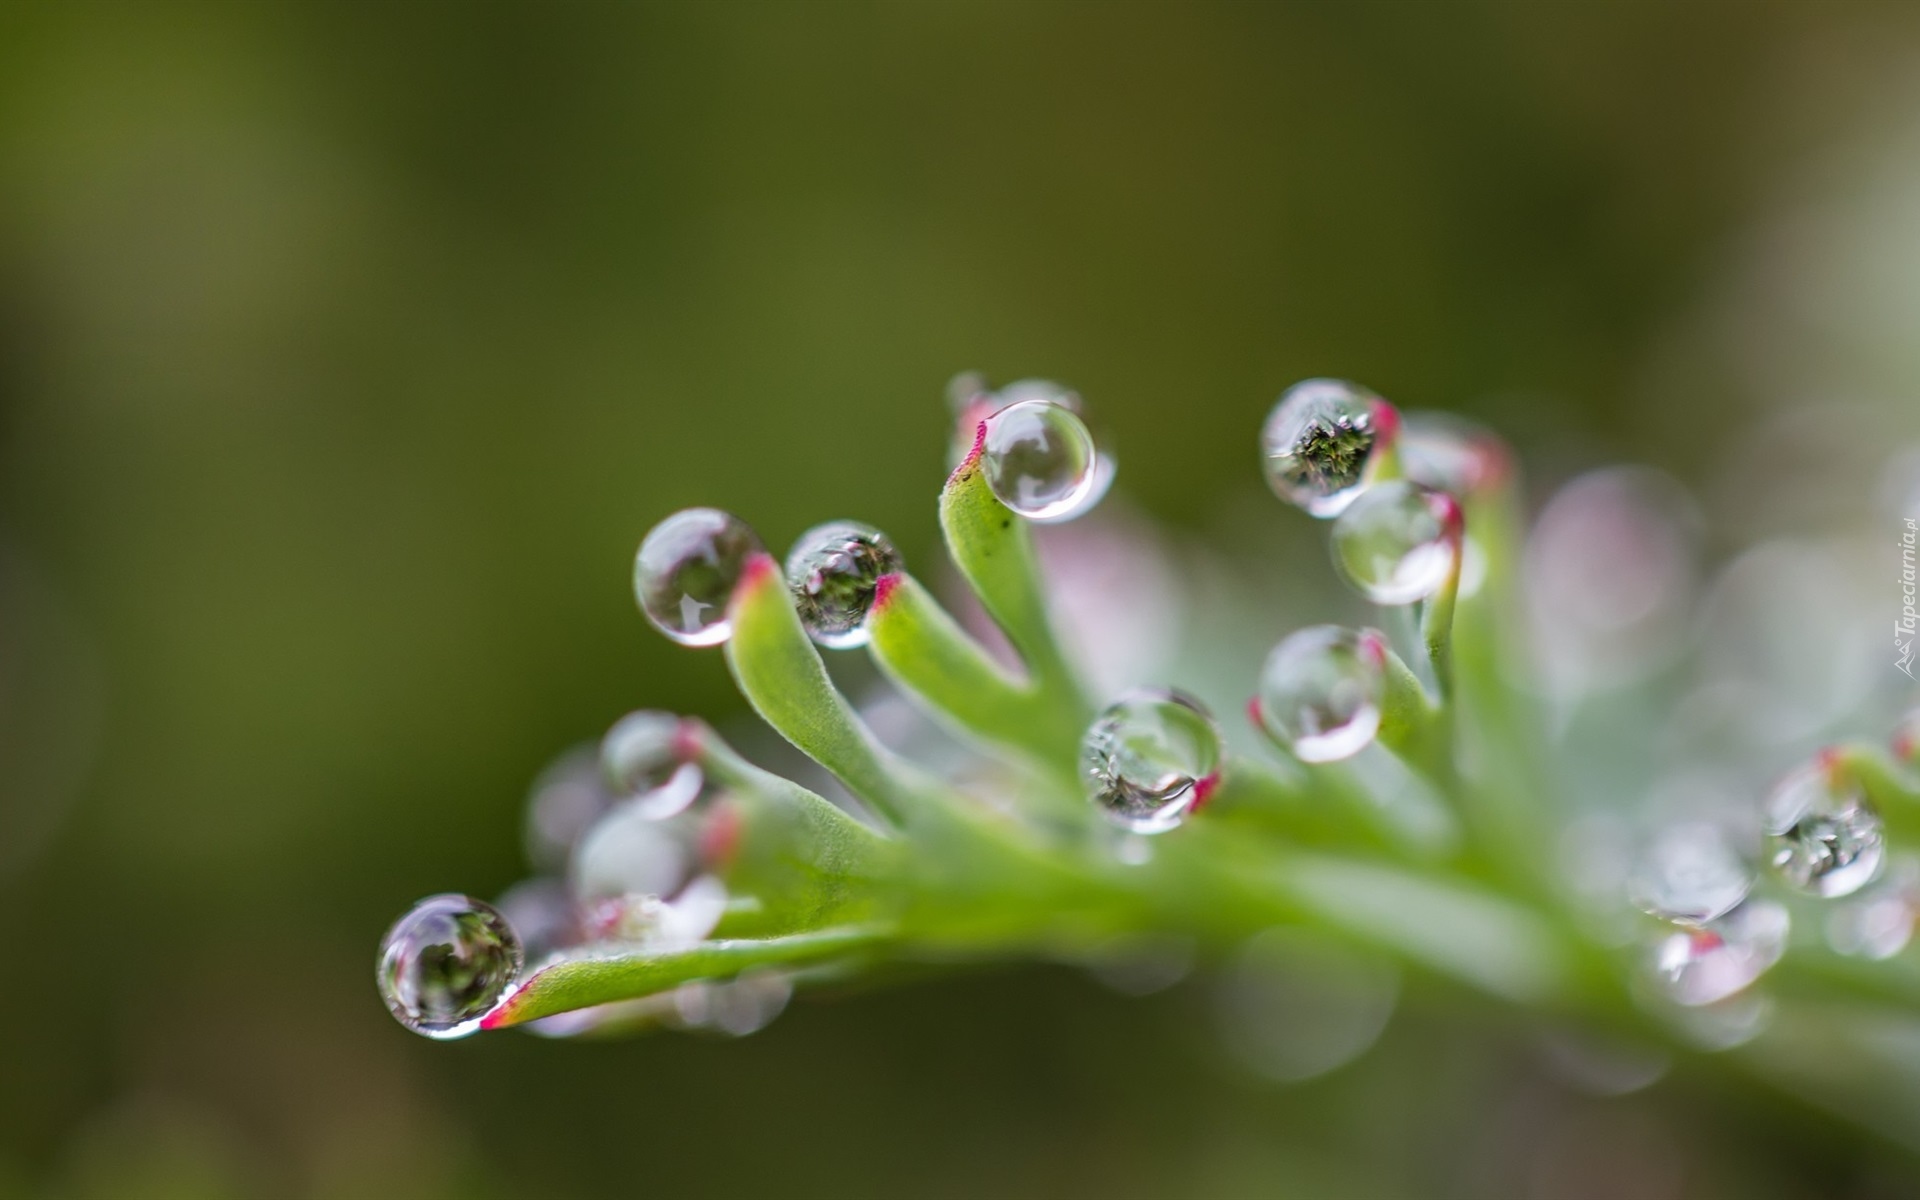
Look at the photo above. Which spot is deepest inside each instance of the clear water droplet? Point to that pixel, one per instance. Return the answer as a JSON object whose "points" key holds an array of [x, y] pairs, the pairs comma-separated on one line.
{"points": [[1321, 691], [686, 570], [1040, 460], [1319, 445], [446, 963], [1396, 543], [642, 761], [832, 571], [1823, 837], [1149, 757], [1702, 964], [1688, 872]]}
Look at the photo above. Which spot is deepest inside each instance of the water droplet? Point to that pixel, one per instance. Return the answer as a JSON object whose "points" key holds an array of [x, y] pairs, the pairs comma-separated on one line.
{"points": [[642, 760], [1396, 543], [1823, 837], [1319, 445], [445, 964], [1689, 873], [832, 571], [1321, 691], [1702, 964], [686, 570], [1149, 757], [1040, 460]]}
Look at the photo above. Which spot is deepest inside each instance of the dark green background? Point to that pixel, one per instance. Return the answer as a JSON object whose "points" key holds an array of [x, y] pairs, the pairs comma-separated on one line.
{"points": [[346, 351]]}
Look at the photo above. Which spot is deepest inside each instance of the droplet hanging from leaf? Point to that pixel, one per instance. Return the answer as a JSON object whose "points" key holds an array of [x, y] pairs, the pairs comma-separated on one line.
{"points": [[686, 570]]}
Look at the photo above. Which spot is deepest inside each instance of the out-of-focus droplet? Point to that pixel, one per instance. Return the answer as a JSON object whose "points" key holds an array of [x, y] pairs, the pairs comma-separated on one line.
{"points": [[1320, 445], [1609, 579], [1600, 1064], [1397, 542], [659, 922], [1689, 873], [1149, 757], [1823, 837], [641, 758], [1878, 922], [1040, 460], [1906, 739], [1702, 964], [564, 802], [1295, 1006], [832, 572], [1449, 453], [446, 963], [1139, 964], [734, 1007], [631, 852], [541, 911], [686, 570], [1321, 691]]}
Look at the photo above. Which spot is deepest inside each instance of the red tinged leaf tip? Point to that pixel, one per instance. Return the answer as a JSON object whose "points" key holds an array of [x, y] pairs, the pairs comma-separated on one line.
{"points": [[973, 456], [760, 571], [883, 591], [1204, 788], [1904, 745], [1255, 714]]}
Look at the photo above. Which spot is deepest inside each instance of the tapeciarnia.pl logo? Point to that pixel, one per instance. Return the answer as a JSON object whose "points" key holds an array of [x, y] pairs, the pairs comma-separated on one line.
{"points": [[1903, 628]]}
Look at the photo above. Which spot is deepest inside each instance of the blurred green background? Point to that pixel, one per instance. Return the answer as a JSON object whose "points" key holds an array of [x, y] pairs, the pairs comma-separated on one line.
{"points": [[346, 351]]}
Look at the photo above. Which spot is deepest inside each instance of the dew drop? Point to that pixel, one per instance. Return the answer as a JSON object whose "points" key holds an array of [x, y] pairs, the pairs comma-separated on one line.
{"points": [[1689, 873], [446, 963], [1040, 460], [832, 572], [1396, 543], [642, 762], [1319, 445], [1321, 691], [1823, 837], [1149, 757], [1703, 964], [686, 570]]}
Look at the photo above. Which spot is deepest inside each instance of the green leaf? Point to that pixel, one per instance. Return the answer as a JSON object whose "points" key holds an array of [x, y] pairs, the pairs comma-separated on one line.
{"points": [[920, 647], [781, 675], [601, 979], [994, 550]]}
